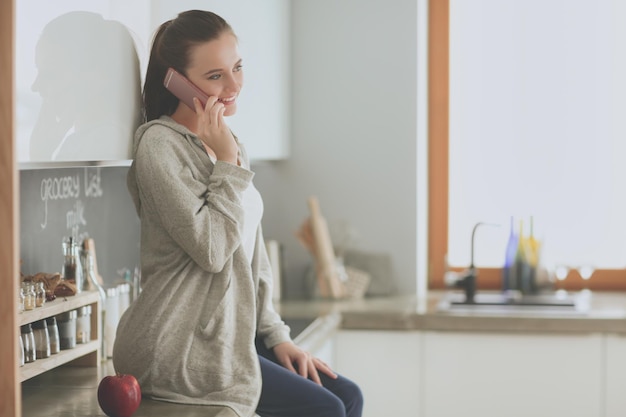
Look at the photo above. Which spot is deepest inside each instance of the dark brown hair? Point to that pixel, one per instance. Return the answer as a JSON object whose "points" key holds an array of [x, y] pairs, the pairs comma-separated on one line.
{"points": [[171, 47]]}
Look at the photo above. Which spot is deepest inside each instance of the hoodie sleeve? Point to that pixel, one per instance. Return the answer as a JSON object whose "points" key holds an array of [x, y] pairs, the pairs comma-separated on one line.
{"points": [[204, 217]]}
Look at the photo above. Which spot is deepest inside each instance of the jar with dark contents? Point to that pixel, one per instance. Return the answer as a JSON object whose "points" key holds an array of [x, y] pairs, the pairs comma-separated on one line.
{"points": [[72, 267]]}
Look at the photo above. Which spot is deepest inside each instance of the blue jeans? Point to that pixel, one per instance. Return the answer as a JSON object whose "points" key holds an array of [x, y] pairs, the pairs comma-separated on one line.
{"points": [[286, 394]]}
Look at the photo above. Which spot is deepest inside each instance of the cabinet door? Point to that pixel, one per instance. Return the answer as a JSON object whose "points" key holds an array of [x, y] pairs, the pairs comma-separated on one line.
{"points": [[385, 364], [77, 80], [615, 376], [483, 374]]}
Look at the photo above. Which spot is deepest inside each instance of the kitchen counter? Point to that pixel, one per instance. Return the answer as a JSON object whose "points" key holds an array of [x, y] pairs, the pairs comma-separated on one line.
{"points": [[71, 391], [605, 312]]}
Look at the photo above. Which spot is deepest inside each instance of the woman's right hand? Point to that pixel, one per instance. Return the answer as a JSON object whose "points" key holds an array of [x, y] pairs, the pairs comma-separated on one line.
{"points": [[213, 130]]}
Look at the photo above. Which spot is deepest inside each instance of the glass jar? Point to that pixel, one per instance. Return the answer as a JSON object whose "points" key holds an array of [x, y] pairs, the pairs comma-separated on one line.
{"points": [[29, 296], [53, 332], [42, 339], [40, 294], [20, 300], [72, 267], [67, 329], [28, 340], [83, 325], [20, 350]]}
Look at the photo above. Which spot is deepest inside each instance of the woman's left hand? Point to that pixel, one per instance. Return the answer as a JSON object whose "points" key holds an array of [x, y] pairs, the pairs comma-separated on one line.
{"points": [[290, 354]]}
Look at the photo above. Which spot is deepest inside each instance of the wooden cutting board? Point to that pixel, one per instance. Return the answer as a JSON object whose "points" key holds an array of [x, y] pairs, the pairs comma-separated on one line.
{"points": [[90, 246], [327, 276]]}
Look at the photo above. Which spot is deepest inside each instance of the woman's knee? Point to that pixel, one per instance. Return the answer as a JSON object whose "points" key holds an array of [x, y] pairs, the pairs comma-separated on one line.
{"points": [[334, 407], [352, 397]]}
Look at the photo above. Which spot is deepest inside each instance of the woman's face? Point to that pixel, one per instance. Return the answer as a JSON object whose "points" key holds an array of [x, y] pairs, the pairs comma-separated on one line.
{"points": [[215, 67]]}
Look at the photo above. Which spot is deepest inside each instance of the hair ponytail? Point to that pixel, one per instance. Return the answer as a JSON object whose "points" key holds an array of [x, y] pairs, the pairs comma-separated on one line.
{"points": [[156, 99]]}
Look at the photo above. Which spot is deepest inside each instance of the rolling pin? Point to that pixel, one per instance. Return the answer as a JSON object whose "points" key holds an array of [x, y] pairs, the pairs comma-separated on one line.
{"points": [[90, 246], [327, 276]]}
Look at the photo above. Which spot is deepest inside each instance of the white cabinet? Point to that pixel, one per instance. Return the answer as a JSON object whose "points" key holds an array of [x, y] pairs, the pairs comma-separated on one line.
{"points": [[514, 374], [77, 81], [386, 365], [615, 376]]}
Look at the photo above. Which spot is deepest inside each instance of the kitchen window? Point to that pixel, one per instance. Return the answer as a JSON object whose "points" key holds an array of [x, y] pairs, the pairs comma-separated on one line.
{"points": [[526, 107]]}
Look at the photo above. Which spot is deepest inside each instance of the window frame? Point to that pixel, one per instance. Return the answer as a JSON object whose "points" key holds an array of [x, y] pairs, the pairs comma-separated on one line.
{"points": [[438, 164]]}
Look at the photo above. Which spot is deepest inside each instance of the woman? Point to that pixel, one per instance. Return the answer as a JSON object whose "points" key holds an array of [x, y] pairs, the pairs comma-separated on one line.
{"points": [[203, 329]]}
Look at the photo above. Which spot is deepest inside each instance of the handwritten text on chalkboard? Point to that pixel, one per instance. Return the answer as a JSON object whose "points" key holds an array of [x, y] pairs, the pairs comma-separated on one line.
{"points": [[69, 187]]}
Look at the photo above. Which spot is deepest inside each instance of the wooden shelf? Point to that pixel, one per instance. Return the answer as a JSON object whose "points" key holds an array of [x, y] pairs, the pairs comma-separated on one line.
{"points": [[40, 366], [58, 306], [84, 354]]}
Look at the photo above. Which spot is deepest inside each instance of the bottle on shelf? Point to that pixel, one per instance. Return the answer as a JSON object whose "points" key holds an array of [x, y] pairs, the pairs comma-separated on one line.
{"points": [[83, 324], [53, 332], [28, 340], [42, 339], [30, 297], [92, 284], [72, 268], [67, 329], [112, 318], [40, 294], [20, 348]]}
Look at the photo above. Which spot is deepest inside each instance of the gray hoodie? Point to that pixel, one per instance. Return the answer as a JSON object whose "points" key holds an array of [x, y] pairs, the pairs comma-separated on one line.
{"points": [[189, 336]]}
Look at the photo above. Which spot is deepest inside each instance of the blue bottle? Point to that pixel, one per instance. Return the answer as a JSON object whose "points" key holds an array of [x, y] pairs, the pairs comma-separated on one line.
{"points": [[508, 272]]}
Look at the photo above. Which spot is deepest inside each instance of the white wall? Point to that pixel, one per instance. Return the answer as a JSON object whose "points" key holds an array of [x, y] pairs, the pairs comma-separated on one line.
{"points": [[354, 132]]}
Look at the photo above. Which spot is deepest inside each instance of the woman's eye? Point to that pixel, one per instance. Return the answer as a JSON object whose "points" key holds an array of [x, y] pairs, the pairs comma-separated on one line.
{"points": [[238, 68], [215, 77]]}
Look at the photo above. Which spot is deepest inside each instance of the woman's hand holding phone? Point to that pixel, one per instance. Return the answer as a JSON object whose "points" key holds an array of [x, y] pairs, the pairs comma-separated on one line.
{"points": [[213, 130]]}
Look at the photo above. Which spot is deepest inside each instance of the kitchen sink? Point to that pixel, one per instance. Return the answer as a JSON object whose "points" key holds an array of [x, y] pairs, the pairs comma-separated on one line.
{"points": [[554, 302]]}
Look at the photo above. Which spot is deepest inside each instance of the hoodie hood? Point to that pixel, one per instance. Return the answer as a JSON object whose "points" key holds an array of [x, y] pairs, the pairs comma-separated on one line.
{"points": [[164, 121], [131, 179]]}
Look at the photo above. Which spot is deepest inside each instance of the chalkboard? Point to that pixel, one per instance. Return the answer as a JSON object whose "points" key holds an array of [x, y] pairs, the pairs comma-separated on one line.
{"points": [[80, 202]]}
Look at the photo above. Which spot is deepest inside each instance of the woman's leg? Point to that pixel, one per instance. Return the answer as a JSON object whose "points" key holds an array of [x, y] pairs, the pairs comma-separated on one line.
{"points": [[286, 394]]}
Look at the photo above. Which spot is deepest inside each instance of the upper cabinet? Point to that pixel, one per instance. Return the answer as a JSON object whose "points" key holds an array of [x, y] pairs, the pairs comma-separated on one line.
{"points": [[78, 83], [80, 65]]}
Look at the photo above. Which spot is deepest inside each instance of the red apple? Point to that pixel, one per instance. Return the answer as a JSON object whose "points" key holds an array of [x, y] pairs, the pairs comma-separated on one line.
{"points": [[119, 395]]}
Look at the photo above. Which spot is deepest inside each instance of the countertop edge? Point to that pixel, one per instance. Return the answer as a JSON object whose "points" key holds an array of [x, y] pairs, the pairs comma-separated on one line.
{"points": [[400, 313]]}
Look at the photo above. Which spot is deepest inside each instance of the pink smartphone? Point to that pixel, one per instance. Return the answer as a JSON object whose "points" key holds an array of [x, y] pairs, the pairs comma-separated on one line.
{"points": [[184, 89]]}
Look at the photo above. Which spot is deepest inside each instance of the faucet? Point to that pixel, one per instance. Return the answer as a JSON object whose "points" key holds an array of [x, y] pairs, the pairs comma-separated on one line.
{"points": [[467, 281]]}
